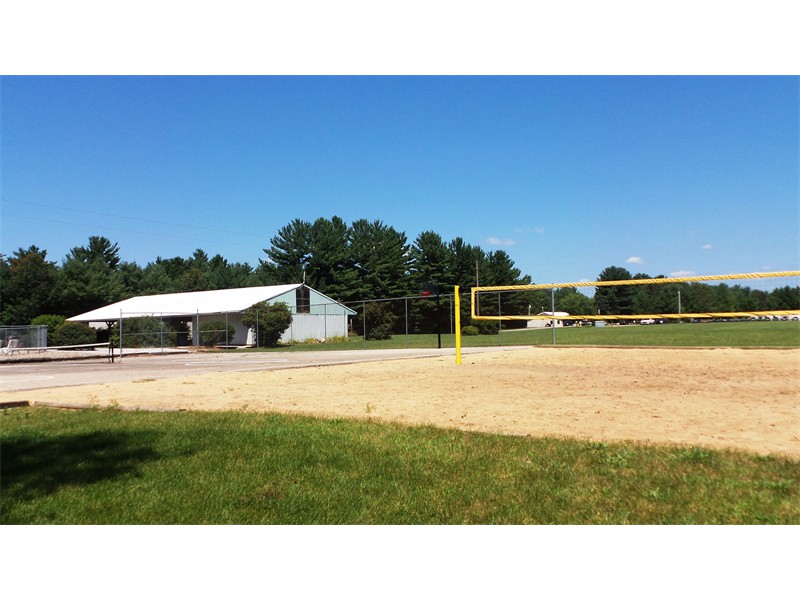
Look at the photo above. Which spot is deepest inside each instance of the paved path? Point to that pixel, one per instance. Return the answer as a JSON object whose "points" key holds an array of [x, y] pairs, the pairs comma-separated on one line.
{"points": [[39, 375]]}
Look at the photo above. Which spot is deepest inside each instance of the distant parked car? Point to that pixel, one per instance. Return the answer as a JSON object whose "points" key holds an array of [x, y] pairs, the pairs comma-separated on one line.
{"points": [[648, 321]]}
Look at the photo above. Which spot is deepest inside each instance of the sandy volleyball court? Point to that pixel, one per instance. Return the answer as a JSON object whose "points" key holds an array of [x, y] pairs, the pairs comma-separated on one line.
{"points": [[723, 398]]}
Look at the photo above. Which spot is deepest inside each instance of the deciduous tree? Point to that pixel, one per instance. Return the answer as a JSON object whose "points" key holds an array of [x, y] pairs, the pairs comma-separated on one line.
{"points": [[28, 286], [268, 321]]}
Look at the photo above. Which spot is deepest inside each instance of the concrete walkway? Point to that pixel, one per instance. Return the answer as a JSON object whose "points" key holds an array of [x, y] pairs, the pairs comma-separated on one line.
{"points": [[25, 355]]}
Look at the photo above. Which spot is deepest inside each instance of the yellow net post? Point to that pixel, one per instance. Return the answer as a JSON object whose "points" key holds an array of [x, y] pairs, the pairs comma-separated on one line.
{"points": [[458, 327]]}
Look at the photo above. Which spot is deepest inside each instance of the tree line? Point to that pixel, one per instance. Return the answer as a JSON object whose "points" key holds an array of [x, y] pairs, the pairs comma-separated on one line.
{"points": [[363, 260], [348, 262], [692, 297]]}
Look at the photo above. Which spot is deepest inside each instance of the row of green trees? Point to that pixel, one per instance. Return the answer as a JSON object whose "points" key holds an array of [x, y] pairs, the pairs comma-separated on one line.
{"points": [[370, 259], [364, 260], [95, 275], [692, 297], [361, 261]]}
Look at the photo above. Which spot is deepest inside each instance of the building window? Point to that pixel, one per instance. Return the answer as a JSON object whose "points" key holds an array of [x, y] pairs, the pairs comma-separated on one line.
{"points": [[303, 300]]}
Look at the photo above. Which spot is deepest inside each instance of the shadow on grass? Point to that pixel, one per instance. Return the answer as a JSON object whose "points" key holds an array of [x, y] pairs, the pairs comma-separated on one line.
{"points": [[32, 468]]}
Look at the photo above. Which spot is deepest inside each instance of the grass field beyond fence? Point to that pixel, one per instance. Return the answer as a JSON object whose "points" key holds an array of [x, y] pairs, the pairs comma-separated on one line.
{"points": [[743, 334], [109, 466]]}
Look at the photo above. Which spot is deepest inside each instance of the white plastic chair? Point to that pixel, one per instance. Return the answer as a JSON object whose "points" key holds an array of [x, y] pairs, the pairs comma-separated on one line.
{"points": [[13, 344]]}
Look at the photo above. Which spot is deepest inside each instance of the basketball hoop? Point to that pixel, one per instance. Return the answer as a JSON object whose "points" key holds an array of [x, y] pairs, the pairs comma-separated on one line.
{"points": [[430, 289]]}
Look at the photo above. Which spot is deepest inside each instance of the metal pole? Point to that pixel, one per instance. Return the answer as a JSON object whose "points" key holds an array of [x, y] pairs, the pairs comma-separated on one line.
{"points": [[406, 303], [458, 324], [450, 298], [438, 319], [364, 320], [553, 308], [499, 323], [120, 336], [477, 284]]}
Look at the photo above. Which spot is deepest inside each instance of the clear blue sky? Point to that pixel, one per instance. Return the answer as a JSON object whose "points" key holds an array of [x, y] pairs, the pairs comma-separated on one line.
{"points": [[569, 175]]}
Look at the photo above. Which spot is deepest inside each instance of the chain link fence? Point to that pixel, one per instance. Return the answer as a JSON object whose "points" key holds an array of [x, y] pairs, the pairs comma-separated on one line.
{"points": [[413, 321], [424, 316], [23, 336], [151, 331], [311, 322]]}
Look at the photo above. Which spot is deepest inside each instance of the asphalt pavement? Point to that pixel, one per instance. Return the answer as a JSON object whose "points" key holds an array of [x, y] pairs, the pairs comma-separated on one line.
{"points": [[17, 376]]}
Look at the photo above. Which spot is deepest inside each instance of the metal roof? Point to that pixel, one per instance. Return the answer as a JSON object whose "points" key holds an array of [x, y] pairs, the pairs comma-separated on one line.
{"points": [[187, 304]]}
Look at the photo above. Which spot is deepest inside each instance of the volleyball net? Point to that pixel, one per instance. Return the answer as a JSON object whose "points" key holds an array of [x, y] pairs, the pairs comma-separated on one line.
{"points": [[772, 295]]}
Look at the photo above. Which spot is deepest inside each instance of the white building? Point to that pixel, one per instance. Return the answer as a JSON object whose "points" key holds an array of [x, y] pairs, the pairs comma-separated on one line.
{"points": [[541, 323], [314, 315]]}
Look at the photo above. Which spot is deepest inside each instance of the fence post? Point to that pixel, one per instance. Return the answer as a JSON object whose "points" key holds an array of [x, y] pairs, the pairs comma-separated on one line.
{"points": [[500, 322], [120, 336], [451, 315], [438, 319], [458, 325], [406, 321]]}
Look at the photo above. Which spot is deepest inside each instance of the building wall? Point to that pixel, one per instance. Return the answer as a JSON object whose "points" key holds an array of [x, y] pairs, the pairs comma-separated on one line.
{"points": [[317, 327], [320, 304], [542, 323], [289, 298]]}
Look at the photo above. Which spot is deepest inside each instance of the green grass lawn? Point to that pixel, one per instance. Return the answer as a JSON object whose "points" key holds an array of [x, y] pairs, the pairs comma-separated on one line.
{"points": [[722, 334], [109, 466], [745, 334]]}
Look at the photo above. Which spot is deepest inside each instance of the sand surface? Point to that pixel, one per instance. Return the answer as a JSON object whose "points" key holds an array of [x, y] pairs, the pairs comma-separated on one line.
{"points": [[723, 398]]}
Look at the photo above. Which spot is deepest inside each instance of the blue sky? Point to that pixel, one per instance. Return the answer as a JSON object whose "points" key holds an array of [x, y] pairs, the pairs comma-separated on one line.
{"points": [[662, 175]]}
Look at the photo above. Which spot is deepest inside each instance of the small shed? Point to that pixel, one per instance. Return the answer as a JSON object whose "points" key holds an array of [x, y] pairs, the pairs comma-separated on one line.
{"points": [[314, 315]]}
